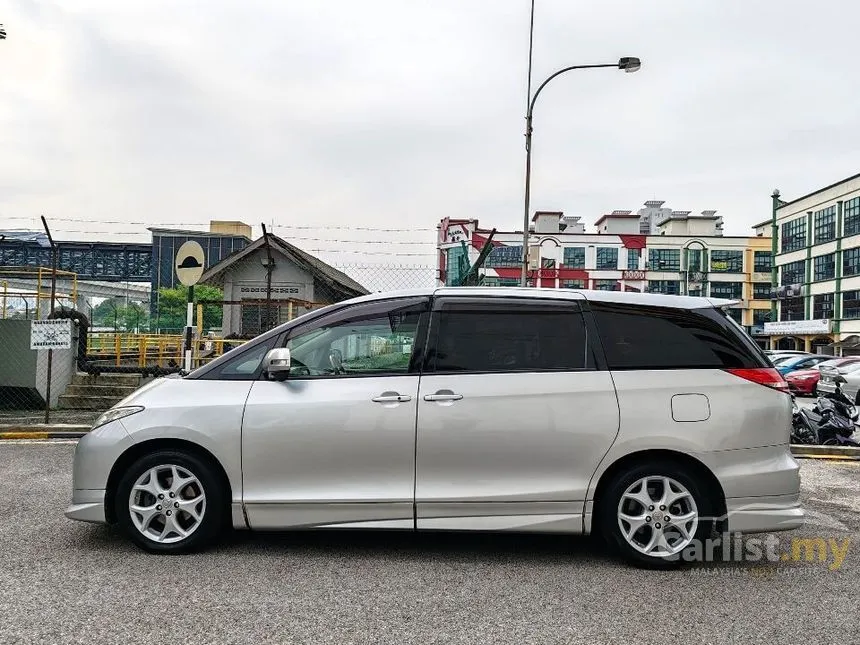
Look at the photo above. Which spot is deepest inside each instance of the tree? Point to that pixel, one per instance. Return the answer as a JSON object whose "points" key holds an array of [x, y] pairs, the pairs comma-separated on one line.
{"points": [[173, 304], [115, 314]]}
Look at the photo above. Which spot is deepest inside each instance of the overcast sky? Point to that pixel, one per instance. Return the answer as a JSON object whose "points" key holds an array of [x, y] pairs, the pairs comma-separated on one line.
{"points": [[394, 114]]}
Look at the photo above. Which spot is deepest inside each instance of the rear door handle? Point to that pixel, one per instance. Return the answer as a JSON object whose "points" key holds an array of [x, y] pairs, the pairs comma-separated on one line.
{"points": [[391, 397], [443, 395]]}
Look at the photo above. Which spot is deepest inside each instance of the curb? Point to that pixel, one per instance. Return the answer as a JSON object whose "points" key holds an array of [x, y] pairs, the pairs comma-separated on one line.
{"points": [[835, 453], [43, 431]]}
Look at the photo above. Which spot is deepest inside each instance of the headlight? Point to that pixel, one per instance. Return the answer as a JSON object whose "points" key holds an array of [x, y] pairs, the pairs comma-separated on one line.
{"points": [[116, 413]]}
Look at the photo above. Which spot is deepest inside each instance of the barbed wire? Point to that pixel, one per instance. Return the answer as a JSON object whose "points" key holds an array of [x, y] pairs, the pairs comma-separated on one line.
{"points": [[321, 227]]}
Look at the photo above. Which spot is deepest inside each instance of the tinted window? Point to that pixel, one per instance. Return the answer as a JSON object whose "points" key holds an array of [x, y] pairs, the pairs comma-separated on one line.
{"points": [[667, 338], [507, 336]]}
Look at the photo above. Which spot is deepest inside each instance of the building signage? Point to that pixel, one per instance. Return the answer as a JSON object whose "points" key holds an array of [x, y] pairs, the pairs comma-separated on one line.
{"points": [[279, 291], [632, 275], [51, 334], [787, 327], [456, 233]]}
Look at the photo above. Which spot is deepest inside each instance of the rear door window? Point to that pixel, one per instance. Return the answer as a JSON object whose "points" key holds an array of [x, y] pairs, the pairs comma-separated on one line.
{"points": [[507, 335], [649, 338]]}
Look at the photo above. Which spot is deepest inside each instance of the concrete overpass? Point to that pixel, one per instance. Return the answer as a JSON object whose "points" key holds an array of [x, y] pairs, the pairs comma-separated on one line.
{"points": [[86, 291]]}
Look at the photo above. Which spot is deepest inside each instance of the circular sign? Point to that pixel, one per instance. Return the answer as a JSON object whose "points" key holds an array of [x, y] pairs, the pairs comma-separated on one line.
{"points": [[189, 263]]}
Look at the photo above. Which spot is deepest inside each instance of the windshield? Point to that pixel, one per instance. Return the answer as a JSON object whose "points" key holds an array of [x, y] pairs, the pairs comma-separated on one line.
{"points": [[780, 360]]}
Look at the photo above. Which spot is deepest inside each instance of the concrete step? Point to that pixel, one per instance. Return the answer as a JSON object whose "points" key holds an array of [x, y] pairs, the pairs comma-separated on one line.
{"points": [[121, 391], [72, 402], [132, 380]]}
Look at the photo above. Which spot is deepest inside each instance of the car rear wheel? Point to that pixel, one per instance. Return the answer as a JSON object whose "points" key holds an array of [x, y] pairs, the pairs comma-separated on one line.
{"points": [[170, 502], [654, 514]]}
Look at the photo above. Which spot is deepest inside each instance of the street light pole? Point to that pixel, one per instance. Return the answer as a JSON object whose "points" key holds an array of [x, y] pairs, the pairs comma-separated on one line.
{"points": [[627, 64]]}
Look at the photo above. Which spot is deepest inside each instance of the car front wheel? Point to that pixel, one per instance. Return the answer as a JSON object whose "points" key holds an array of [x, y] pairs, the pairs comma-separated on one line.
{"points": [[170, 502], [653, 513]]}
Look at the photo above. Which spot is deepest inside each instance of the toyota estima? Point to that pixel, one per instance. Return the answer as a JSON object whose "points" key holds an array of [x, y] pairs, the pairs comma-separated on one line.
{"points": [[653, 420]]}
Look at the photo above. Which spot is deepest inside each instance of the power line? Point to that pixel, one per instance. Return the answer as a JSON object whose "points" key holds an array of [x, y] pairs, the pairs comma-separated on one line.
{"points": [[321, 227], [291, 238]]}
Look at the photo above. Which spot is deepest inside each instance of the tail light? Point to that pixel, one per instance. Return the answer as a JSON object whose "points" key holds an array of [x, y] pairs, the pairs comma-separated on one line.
{"points": [[767, 376]]}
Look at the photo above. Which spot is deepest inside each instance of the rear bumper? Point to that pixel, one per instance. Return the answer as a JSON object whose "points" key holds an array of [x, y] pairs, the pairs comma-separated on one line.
{"points": [[764, 514], [761, 487], [87, 506], [802, 387]]}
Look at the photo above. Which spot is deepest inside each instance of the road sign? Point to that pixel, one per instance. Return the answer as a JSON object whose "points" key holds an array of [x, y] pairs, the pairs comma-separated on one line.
{"points": [[51, 334], [189, 263]]}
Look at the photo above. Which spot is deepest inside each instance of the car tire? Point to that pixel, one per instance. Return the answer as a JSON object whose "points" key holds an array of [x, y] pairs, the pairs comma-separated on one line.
{"points": [[171, 501], [619, 501]]}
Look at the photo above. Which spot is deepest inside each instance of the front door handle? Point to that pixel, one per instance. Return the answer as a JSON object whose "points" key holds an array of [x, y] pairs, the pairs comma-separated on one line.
{"points": [[443, 395], [391, 397]]}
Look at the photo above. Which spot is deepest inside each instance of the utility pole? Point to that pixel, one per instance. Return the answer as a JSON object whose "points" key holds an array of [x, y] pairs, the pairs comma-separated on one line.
{"points": [[53, 299]]}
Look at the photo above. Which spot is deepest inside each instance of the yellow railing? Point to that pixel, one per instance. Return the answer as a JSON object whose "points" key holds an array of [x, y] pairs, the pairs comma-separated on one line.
{"points": [[66, 294], [149, 350]]}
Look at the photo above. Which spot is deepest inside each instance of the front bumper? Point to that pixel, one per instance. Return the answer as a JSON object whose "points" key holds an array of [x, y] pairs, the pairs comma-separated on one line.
{"points": [[87, 506], [764, 514]]}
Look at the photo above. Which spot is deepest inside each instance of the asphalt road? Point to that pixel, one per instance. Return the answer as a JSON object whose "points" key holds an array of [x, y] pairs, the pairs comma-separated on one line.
{"points": [[66, 582]]}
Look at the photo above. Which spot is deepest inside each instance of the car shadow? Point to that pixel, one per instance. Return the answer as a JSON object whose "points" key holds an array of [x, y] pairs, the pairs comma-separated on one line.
{"points": [[381, 545], [421, 545]]}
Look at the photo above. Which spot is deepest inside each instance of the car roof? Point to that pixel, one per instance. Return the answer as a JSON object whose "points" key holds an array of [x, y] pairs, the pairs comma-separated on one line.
{"points": [[626, 297]]}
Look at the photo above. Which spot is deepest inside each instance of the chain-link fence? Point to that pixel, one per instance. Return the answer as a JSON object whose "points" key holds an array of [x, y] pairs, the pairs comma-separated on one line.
{"points": [[108, 338]]}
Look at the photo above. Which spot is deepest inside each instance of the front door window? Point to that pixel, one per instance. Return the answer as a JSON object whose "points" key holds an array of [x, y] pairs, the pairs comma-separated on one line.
{"points": [[375, 342]]}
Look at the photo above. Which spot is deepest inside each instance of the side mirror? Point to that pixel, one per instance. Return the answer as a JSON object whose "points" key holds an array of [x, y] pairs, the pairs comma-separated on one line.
{"points": [[277, 364], [840, 379]]}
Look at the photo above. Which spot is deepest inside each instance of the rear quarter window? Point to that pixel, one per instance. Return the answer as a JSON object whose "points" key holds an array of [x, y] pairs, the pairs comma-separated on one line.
{"points": [[648, 338]]}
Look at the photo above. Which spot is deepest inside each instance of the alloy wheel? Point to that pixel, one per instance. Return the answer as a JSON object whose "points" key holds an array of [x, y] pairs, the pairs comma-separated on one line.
{"points": [[167, 503], [658, 516]]}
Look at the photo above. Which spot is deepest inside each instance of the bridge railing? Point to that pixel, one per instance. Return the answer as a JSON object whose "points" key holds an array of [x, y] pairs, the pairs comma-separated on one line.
{"points": [[148, 350]]}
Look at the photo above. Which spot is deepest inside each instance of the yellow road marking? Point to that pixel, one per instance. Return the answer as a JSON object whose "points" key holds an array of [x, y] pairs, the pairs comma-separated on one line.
{"points": [[24, 435]]}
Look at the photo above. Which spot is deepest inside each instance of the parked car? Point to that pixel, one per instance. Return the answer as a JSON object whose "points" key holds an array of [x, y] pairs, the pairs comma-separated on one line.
{"points": [[778, 359], [784, 352], [805, 382], [827, 382], [801, 362], [851, 386], [649, 419]]}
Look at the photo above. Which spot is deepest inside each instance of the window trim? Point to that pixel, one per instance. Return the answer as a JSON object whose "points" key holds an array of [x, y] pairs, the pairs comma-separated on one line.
{"points": [[593, 352]]}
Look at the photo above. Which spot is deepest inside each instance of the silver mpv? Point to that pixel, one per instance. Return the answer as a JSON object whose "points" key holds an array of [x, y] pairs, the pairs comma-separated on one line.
{"points": [[653, 420]]}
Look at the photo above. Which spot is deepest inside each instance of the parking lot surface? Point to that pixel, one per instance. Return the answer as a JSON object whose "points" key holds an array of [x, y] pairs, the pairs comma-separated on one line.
{"points": [[66, 582]]}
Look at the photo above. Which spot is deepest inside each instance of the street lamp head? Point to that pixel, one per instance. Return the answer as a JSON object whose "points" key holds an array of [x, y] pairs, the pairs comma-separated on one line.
{"points": [[629, 64]]}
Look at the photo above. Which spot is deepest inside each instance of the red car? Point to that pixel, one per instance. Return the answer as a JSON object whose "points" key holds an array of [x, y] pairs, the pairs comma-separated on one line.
{"points": [[805, 382]]}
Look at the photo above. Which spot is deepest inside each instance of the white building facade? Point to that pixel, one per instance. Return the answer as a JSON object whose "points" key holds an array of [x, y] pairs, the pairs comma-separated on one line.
{"points": [[817, 270]]}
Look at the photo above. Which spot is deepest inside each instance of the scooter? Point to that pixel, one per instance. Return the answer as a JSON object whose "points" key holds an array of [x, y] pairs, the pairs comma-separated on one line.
{"points": [[831, 422], [802, 430]]}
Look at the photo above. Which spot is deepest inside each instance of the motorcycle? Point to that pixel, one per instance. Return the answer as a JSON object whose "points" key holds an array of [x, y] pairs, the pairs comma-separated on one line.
{"points": [[830, 422]]}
